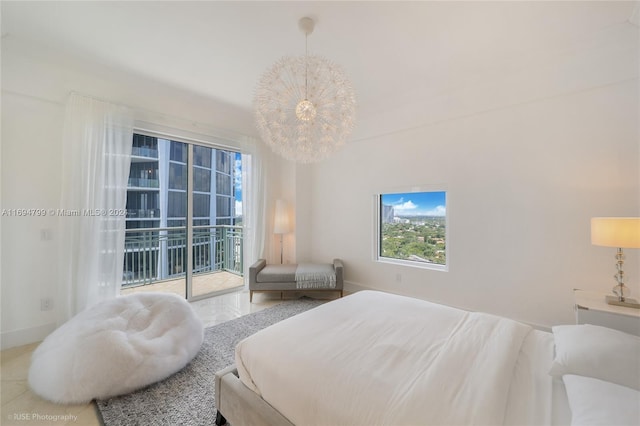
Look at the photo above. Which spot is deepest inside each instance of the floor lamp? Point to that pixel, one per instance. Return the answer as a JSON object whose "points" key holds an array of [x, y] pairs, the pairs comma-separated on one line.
{"points": [[281, 223]]}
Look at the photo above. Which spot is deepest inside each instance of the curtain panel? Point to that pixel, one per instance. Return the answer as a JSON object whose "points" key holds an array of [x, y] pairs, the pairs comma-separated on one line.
{"points": [[96, 159], [254, 207]]}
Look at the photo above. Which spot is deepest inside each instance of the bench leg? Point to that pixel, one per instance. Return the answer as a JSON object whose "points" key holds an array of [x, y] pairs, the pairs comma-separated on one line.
{"points": [[220, 420], [250, 296]]}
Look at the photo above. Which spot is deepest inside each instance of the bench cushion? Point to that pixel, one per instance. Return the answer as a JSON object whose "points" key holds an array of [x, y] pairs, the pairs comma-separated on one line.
{"points": [[277, 274]]}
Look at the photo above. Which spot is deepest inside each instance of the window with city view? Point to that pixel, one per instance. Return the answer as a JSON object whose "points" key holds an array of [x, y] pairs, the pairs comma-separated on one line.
{"points": [[412, 228]]}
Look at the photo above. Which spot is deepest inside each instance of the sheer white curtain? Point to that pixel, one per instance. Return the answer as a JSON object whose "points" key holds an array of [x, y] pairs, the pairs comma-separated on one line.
{"points": [[254, 206], [96, 158]]}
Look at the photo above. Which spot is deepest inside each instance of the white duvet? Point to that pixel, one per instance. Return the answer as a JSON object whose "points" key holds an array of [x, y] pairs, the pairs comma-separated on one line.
{"points": [[375, 358]]}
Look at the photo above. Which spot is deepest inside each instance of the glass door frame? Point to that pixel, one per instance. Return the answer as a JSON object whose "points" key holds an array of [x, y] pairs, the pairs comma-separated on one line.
{"points": [[189, 226], [190, 185]]}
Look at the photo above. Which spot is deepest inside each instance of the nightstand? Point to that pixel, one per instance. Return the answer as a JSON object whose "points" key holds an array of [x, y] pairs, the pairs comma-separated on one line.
{"points": [[591, 308]]}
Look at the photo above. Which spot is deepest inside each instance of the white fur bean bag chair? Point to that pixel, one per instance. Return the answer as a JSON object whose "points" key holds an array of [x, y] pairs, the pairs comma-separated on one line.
{"points": [[116, 347]]}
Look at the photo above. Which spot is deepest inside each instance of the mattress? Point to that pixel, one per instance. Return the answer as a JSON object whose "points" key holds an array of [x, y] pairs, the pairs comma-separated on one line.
{"points": [[377, 358]]}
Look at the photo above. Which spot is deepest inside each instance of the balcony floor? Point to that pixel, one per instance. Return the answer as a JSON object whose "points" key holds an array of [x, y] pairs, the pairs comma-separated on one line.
{"points": [[204, 283]]}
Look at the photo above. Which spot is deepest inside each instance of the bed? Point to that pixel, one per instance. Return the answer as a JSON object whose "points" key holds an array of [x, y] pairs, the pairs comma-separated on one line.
{"points": [[377, 358]]}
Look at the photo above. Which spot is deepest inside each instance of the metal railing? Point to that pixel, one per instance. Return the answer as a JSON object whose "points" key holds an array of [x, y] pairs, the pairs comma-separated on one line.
{"points": [[140, 151], [158, 254], [141, 213], [143, 183]]}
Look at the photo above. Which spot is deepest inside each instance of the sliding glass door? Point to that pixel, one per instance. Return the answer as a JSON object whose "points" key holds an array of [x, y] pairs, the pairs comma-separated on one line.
{"points": [[184, 233], [217, 237]]}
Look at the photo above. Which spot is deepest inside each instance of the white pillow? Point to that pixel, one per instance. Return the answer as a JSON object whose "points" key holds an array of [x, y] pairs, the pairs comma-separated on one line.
{"points": [[595, 402], [599, 352]]}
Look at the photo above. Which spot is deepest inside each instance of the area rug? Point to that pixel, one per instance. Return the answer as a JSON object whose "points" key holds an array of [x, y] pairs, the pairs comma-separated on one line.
{"points": [[187, 398]]}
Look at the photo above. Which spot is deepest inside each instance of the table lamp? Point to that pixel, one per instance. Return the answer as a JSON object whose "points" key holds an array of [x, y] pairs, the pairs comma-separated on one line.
{"points": [[618, 232]]}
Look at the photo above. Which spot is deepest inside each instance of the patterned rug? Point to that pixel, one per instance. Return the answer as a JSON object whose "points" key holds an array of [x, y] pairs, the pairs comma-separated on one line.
{"points": [[187, 397]]}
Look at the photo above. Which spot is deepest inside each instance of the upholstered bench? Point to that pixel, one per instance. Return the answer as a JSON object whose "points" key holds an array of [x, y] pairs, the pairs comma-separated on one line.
{"points": [[303, 277]]}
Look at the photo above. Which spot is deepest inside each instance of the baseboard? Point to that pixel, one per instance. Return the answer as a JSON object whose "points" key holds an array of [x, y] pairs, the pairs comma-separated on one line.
{"points": [[10, 339]]}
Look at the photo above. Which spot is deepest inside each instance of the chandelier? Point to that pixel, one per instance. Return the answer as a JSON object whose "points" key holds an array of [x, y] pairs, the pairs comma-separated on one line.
{"points": [[304, 106]]}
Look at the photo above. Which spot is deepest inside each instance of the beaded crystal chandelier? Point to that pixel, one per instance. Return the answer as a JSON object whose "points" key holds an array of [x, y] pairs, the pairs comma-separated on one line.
{"points": [[305, 106]]}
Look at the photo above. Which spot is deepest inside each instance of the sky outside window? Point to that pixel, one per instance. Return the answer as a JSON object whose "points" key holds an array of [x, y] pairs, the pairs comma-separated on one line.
{"points": [[417, 203]]}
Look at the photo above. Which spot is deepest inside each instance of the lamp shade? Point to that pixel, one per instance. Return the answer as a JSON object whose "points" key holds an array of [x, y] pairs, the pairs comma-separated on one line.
{"points": [[622, 232], [281, 221]]}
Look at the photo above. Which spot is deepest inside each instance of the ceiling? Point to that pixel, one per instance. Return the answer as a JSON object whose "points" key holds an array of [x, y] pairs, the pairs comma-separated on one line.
{"points": [[392, 51]]}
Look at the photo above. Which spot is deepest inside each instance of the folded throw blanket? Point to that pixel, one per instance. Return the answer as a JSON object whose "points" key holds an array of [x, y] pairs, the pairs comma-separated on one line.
{"points": [[313, 275]]}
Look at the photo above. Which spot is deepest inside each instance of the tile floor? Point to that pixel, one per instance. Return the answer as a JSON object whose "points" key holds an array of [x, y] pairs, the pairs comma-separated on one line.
{"points": [[202, 284], [19, 406]]}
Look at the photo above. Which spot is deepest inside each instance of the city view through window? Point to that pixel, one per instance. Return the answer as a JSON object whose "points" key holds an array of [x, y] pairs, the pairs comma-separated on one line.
{"points": [[156, 235], [413, 227]]}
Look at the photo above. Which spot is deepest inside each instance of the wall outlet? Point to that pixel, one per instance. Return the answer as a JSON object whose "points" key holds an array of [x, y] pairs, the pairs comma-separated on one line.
{"points": [[46, 234], [46, 304]]}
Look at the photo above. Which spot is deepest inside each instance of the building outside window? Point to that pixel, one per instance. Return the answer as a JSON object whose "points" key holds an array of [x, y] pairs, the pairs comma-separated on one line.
{"points": [[157, 197]]}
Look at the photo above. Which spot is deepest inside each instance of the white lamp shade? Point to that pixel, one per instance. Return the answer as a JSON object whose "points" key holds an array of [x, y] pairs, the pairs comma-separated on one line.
{"points": [[622, 232], [281, 221]]}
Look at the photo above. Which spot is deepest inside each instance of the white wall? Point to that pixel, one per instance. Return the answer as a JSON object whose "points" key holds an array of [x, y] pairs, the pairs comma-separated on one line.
{"points": [[527, 158], [35, 85], [525, 167], [523, 182], [31, 176]]}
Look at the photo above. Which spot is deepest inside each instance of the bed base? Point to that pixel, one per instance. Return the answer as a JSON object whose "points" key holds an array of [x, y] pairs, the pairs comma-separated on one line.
{"points": [[240, 405]]}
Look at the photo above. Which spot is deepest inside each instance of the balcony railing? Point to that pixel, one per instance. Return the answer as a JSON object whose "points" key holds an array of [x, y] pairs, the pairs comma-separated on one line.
{"points": [[139, 151], [143, 183], [144, 214], [158, 254]]}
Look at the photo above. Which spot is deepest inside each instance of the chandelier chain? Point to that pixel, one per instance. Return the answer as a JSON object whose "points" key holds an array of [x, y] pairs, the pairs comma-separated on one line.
{"points": [[306, 66]]}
